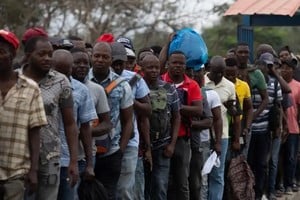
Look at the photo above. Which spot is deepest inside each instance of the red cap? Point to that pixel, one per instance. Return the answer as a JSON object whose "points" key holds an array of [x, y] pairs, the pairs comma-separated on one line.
{"points": [[33, 32], [10, 38], [106, 37]]}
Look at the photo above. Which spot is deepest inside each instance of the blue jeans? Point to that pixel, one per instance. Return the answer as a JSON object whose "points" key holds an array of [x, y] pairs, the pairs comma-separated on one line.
{"points": [[198, 183], [290, 159], [179, 171], [157, 180], [139, 180], [273, 163], [65, 191], [126, 182], [216, 176]]}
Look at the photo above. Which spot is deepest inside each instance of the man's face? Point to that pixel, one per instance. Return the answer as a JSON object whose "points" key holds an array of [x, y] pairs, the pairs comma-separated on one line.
{"points": [[130, 63], [118, 66], [216, 73], [151, 69], [231, 73], [284, 55], [6, 57], [41, 57], [286, 72], [176, 64], [101, 59], [242, 53], [81, 65]]}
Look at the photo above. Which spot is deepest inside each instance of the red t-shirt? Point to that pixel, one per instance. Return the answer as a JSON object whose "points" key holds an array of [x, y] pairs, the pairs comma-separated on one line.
{"points": [[193, 92]]}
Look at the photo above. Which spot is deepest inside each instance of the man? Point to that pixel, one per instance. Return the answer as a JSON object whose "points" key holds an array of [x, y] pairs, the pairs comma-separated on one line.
{"points": [[84, 113], [142, 110], [215, 80], [191, 106], [58, 103], [291, 144], [130, 52], [108, 163], [163, 128], [77, 41], [22, 116], [200, 136], [254, 78], [243, 96]]}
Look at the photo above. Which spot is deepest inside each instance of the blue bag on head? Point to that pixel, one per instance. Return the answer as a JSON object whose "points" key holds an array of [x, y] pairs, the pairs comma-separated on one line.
{"points": [[192, 45]]}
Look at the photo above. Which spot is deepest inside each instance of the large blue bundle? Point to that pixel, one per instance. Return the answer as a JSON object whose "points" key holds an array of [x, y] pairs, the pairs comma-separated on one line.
{"points": [[192, 45]]}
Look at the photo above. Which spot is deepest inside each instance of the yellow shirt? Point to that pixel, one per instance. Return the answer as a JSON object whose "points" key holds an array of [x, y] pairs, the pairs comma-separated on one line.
{"points": [[242, 90]]}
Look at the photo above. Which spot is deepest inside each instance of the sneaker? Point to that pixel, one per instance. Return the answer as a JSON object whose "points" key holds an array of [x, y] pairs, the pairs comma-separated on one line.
{"points": [[279, 193], [272, 196], [295, 188], [289, 191]]}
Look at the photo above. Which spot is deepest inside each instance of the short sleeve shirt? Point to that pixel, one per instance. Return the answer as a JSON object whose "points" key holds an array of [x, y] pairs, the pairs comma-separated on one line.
{"points": [[21, 109], [188, 92], [292, 112], [257, 80], [226, 92], [120, 98], [83, 112], [242, 91]]}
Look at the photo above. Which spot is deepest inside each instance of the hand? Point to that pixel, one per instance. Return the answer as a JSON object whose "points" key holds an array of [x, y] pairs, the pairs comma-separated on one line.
{"points": [[236, 146], [73, 173], [217, 148], [88, 173], [171, 36], [32, 181], [148, 158], [169, 150]]}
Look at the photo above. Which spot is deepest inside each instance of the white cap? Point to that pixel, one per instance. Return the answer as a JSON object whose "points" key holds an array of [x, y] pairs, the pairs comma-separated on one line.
{"points": [[130, 53]]}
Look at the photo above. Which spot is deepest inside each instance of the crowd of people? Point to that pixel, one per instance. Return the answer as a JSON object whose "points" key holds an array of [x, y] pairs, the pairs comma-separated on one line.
{"points": [[143, 123]]}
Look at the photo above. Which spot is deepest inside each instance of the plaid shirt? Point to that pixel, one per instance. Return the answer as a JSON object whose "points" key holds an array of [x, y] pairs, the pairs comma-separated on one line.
{"points": [[21, 109]]}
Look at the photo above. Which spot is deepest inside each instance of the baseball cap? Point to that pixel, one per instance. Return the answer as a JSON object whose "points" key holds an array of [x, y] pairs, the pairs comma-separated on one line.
{"points": [[126, 42], [118, 51], [129, 52], [33, 32], [10, 38], [268, 58], [106, 37]]}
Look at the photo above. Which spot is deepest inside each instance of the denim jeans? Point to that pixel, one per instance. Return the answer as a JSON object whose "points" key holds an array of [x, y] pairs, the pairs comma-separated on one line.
{"points": [[139, 180], [108, 170], [290, 159], [258, 160], [65, 191], [273, 163], [157, 179], [126, 182], [198, 183], [216, 176], [180, 170]]}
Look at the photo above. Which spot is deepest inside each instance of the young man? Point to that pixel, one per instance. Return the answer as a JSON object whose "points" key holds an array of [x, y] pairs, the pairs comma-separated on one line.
{"points": [[142, 110], [164, 126], [291, 144], [22, 116], [215, 80], [84, 113], [108, 163], [58, 103], [191, 106]]}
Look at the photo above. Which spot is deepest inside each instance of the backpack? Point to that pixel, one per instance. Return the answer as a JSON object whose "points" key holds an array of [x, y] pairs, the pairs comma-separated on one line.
{"points": [[160, 119], [241, 179], [103, 143]]}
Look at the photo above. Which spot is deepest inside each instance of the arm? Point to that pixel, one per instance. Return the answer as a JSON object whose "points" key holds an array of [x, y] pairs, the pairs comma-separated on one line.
{"points": [[34, 150], [195, 110], [126, 118], [163, 56], [202, 124], [142, 106], [236, 132], [218, 128], [71, 132], [264, 103], [104, 126], [283, 84], [85, 136], [247, 116], [175, 122]]}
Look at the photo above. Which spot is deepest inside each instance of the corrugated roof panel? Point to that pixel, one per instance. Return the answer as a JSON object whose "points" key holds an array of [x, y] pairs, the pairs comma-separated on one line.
{"points": [[267, 7]]}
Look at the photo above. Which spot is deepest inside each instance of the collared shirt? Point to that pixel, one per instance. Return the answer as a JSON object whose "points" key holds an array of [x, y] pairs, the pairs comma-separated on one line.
{"points": [[57, 95], [83, 112], [188, 92], [242, 91], [139, 90], [21, 109], [119, 98], [226, 92]]}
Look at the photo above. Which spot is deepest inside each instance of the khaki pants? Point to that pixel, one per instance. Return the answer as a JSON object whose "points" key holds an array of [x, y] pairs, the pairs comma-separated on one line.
{"points": [[13, 189]]}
